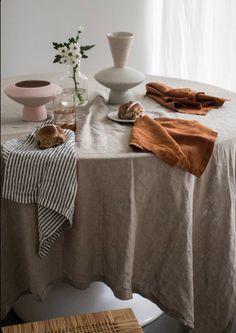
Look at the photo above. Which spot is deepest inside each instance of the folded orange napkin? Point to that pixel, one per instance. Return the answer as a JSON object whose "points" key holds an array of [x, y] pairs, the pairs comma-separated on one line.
{"points": [[183, 100], [178, 142]]}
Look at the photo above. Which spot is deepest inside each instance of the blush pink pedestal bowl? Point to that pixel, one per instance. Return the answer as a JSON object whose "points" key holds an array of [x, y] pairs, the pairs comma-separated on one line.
{"points": [[33, 94]]}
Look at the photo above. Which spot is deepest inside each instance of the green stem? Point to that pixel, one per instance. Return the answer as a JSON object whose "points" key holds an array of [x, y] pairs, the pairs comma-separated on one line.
{"points": [[75, 84], [74, 77]]}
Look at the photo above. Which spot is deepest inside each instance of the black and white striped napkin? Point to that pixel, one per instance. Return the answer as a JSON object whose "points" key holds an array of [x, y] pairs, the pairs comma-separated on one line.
{"points": [[46, 177]]}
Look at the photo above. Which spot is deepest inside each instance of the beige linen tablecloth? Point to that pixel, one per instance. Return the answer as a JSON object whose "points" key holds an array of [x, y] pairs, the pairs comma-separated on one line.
{"points": [[139, 225]]}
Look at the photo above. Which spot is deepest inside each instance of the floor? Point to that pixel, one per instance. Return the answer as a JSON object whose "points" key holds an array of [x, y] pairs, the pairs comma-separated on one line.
{"points": [[164, 324]]}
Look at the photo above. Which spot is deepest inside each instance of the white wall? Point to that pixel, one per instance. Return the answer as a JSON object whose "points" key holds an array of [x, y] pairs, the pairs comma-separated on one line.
{"points": [[195, 38], [30, 26]]}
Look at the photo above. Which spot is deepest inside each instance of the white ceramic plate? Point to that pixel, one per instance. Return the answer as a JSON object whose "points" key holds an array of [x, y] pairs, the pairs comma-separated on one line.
{"points": [[114, 116]]}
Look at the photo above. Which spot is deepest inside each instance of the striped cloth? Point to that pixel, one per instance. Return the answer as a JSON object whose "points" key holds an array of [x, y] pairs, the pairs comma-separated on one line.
{"points": [[45, 177]]}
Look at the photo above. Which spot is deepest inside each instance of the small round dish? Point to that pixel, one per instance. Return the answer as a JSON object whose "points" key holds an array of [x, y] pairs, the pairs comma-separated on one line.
{"points": [[114, 116]]}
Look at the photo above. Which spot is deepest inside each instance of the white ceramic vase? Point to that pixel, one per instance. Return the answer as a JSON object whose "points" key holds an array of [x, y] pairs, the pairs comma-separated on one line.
{"points": [[119, 78]]}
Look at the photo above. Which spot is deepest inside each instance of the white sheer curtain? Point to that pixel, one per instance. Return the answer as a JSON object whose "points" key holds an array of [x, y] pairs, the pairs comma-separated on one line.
{"points": [[195, 40]]}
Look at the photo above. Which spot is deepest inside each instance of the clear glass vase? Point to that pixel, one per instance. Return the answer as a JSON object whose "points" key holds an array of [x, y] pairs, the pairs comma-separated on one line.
{"points": [[75, 83], [64, 111]]}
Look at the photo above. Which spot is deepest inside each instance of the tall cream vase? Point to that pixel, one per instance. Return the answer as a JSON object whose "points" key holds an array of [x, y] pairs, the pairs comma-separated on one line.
{"points": [[120, 43], [120, 78]]}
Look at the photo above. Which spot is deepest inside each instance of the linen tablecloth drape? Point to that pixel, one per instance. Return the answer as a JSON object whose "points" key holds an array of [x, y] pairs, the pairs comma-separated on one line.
{"points": [[140, 225]]}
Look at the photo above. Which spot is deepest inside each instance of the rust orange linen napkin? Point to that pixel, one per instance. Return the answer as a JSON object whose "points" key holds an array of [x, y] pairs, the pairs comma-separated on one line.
{"points": [[178, 142], [183, 100]]}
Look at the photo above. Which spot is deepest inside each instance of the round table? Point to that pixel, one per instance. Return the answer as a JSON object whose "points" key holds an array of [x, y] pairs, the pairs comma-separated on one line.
{"points": [[157, 231]]}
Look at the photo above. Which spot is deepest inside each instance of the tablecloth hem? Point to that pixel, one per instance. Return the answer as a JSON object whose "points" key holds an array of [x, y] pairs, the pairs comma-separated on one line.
{"points": [[82, 285]]}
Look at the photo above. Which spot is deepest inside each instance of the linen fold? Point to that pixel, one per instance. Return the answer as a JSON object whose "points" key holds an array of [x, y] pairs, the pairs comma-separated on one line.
{"points": [[178, 142], [183, 100]]}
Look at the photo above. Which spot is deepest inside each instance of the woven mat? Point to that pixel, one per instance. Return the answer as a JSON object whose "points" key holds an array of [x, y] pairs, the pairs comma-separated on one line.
{"points": [[115, 321]]}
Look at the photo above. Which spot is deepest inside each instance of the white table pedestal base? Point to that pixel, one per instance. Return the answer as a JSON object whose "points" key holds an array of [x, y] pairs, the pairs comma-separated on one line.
{"points": [[65, 300]]}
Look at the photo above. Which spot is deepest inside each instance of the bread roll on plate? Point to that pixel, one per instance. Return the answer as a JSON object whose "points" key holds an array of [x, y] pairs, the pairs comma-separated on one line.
{"points": [[131, 110]]}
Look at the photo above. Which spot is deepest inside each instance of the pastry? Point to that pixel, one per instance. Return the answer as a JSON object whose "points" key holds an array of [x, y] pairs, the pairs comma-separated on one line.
{"points": [[131, 110], [50, 136]]}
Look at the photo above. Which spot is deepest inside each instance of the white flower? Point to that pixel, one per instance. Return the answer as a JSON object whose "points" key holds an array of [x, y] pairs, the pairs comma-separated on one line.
{"points": [[74, 46], [73, 53], [77, 56], [68, 62], [81, 28], [73, 62], [62, 50], [75, 59], [63, 60], [69, 53]]}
